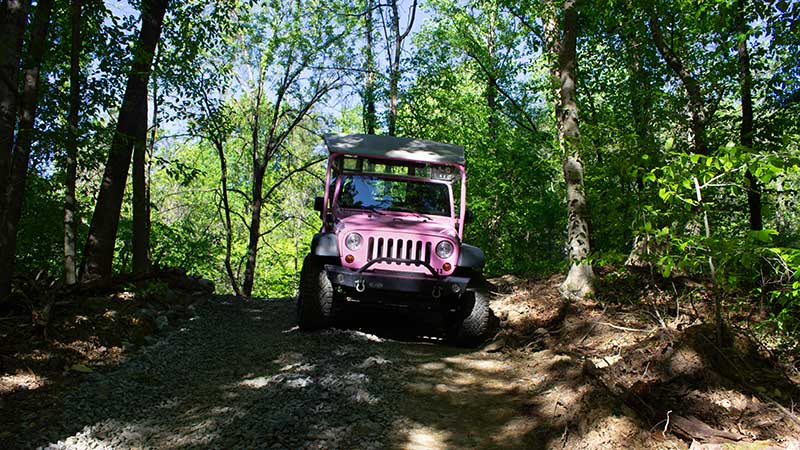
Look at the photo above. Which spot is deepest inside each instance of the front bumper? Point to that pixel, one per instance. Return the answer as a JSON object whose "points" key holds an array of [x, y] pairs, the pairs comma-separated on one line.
{"points": [[392, 281]]}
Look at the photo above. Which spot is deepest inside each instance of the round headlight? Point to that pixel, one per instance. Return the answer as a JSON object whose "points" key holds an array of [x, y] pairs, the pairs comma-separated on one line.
{"points": [[353, 241], [444, 249]]}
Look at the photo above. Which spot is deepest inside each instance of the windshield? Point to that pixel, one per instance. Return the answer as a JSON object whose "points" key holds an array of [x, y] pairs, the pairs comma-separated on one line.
{"points": [[394, 195]]}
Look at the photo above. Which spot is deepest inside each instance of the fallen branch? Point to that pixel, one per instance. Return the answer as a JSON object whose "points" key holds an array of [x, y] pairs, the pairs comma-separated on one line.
{"points": [[617, 327], [693, 428]]}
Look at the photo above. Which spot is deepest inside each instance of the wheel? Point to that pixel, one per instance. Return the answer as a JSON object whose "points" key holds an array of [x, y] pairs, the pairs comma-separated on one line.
{"points": [[472, 322], [315, 297]]}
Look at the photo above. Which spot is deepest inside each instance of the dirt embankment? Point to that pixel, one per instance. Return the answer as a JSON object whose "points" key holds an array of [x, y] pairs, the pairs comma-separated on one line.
{"points": [[641, 370]]}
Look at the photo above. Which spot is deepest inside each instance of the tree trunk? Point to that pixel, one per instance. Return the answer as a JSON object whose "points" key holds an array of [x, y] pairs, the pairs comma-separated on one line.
{"points": [[71, 163], [141, 232], [370, 118], [640, 87], [491, 82], [15, 190], [696, 103], [223, 169], [746, 131], [394, 71], [151, 147], [394, 63], [254, 232], [552, 44], [99, 252], [257, 189], [12, 22], [580, 280]]}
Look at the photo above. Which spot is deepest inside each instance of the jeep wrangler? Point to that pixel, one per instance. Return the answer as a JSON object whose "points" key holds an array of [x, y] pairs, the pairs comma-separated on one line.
{"points": [[392, 234]]}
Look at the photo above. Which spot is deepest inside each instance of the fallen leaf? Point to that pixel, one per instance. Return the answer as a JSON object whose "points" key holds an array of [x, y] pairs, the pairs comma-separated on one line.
{"points": [[80, 368]]}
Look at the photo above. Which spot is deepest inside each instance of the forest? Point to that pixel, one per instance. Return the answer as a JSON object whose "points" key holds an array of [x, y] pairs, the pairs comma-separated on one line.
{"points": [[187, 134], [606, 141]]}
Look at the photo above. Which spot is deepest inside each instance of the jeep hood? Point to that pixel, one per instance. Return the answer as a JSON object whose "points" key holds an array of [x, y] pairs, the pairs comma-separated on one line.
{"points": [[398, 222]]}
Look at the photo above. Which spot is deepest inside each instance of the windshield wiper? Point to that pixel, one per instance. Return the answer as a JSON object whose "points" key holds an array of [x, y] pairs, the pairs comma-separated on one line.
{"points": [[403, 209]]}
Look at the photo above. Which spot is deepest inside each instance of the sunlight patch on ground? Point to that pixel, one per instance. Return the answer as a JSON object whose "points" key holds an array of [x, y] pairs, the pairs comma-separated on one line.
{"points": [[373, 361], [354, 335], [421, 437], [485, 365], [258, 382], [293, 382], [435, 365], [21, 382], [514, 431], [298, 367]]}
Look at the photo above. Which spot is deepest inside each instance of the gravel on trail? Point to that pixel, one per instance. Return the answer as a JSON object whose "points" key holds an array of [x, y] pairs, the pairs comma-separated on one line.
{"points": [[239, 374]]}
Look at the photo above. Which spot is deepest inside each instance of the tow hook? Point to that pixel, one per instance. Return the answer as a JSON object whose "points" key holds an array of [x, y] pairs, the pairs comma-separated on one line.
{"points": [[437, 291], [361, 286]]}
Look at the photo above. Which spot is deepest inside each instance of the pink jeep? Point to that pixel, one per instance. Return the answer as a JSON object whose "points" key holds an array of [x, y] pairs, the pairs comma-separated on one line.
{"points": [[392, 234]]}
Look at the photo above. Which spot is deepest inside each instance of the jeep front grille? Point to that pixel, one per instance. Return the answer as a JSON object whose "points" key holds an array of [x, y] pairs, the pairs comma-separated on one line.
{"points": [[399, 249]]}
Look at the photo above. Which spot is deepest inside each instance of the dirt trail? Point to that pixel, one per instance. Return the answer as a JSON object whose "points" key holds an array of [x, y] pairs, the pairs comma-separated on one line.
{"points": [[241, 375]]}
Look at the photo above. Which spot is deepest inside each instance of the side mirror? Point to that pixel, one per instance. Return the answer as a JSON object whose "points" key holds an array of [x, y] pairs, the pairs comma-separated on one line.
{"points": [[318, 203], [468, 216]]}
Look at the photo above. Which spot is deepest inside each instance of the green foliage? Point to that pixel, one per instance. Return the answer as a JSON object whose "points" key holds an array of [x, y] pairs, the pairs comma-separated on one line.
{"points": [[40, 239], [480, 74], [694, 188]]}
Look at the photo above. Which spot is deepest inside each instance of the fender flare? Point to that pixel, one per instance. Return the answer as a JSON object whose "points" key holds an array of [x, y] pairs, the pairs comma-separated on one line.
{"points": [[325, 244], [471, 257]]}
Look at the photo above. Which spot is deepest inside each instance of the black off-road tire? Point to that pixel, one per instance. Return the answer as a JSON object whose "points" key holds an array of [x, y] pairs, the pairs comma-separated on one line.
{"points": [[471, 324], [315, 297]]}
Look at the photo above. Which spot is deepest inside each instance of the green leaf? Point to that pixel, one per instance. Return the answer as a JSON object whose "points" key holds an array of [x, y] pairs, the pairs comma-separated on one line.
{"points": [[763, 235], [668, 144], [80, 368]]}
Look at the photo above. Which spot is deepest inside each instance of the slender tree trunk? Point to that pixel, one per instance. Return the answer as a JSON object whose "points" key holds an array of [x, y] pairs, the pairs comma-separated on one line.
{"points": [[71, 163], [14, 15], [552, 35], [697, 107], [141, 233], [151, 147], [223, 169], [580, 280], [491, 85], [254, 231], [640, 87], [99, 253], [257, 189], [394, 71], [370, 118], [746, 131], [394, 63], [15, 190]]}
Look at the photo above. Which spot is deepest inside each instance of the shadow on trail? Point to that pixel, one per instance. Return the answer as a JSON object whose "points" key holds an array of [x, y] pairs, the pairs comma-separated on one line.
{"points": [[404, 325]]}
